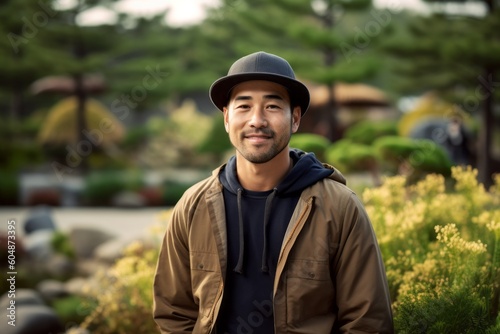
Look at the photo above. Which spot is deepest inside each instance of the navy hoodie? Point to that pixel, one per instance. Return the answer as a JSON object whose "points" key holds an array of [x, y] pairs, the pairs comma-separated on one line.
{"points": [[256, 224]]}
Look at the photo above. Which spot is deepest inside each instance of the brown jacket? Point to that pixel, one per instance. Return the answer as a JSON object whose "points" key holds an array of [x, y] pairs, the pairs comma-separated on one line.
{"points": [[330, 276]]}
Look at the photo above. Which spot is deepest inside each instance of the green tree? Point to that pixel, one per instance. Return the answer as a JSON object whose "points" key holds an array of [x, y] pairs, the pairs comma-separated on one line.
{"points": [[316, 37], [454, 54], [23, 56]]}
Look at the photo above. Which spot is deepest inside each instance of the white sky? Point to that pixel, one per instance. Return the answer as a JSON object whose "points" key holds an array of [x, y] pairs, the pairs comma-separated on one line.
{"points": [[185, 12]]}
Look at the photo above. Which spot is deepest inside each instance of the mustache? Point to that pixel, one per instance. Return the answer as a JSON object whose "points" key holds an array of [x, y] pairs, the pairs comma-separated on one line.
{"points": [[265, 132]]}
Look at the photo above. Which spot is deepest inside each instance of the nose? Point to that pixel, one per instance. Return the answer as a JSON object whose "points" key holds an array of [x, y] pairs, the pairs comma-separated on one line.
{"points": [[258, 118]]}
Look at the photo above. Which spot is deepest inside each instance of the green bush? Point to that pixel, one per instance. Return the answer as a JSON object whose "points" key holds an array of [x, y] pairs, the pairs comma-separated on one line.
{"points": [[349, 156], [9, 183], [173, 191], [422, 154], [366, 132], [309, 142], [101, 186], [62, 244], [27, 128], [217, 140], [71, 309], [21, 154], [136, 136]]}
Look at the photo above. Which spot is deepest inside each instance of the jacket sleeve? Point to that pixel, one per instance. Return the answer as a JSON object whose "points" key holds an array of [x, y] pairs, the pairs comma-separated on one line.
{"points": [[363, 299], [174, 309]]}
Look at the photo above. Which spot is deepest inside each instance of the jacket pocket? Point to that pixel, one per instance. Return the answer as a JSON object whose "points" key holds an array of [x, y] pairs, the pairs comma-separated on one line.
{"points": [[205, 279], [309, 290]]}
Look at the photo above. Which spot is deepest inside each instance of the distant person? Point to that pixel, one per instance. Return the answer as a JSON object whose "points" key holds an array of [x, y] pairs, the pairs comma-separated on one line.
{"points": [[273, 241], [457, 142]]}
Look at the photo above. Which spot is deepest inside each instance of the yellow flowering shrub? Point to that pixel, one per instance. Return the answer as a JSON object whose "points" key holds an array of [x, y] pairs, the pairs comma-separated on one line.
{"points": [[440, 241], [122, 299], [441, 245]]}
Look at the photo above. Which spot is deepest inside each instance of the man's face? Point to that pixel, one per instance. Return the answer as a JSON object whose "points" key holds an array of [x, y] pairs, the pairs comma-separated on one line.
{"points": [[259, 120]]}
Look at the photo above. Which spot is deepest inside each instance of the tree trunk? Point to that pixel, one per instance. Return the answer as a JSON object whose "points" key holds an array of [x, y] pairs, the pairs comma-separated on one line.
{"points": [[484, 164], [84, 147], [16, 105], [484, 160], [329, 118]]}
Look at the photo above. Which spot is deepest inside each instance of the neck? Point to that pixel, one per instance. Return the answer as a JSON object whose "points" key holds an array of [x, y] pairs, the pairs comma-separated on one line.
{"points": [[264, 176]]}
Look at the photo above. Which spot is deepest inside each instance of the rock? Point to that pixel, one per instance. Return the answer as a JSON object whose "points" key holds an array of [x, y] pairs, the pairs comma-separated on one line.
{"points": [[77, 330], [22, 297], [39, 219], [59, 265], [33, 319], [111, 250], [85, 240], [88, 267], [38, 244], [76, 285], [51, 290], [84, 287], [30, 316], [128, 199]]}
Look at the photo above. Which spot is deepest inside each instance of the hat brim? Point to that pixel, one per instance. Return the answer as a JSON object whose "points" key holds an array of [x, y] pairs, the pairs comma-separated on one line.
{"points": [[221, 89]]}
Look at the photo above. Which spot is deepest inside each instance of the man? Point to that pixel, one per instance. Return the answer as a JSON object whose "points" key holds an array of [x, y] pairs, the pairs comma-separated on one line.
{"points": [[273, 241]]}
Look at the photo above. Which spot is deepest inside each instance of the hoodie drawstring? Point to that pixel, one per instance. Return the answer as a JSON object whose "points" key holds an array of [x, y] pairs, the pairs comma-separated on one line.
{"points": [[239, 265], [267, 212], [265, 251]]}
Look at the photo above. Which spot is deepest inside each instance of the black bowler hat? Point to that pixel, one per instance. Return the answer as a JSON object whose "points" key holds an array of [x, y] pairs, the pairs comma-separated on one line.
{"points": [[260, 66]]}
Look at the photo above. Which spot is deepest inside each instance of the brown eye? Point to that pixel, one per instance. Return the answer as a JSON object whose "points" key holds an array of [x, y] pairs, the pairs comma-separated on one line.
{"points": [[243, 106]]}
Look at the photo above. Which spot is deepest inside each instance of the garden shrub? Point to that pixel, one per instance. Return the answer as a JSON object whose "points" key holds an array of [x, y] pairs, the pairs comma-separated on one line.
{"points": [[122, 300], [173, 191], [309, 142], [422, 155], [366, 132], [60, 125], [70, 310], [217, 141], [174, 139], [17, 155], [101, 186], [135, 136], [350, 156], [62, 244], [441, 250], [9, 183]]}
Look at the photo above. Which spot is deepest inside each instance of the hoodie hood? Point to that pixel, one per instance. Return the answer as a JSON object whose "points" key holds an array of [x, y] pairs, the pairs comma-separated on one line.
{"points": [[306, 171]]}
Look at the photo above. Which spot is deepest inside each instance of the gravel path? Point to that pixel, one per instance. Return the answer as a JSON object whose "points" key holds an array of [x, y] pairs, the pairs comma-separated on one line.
{"points": [[123, 223]]}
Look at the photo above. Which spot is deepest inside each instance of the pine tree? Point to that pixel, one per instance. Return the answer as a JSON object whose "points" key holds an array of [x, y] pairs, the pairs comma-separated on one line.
{"points": [[455, 54], [22, 53], [317, 38]]}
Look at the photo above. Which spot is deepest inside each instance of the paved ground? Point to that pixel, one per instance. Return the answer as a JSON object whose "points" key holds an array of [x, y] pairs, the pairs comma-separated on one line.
{"points": [[125, 223]]}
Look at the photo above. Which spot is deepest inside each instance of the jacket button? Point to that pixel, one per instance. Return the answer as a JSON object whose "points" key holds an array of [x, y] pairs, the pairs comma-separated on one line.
{"points": [[200, 266], [311, 275]]}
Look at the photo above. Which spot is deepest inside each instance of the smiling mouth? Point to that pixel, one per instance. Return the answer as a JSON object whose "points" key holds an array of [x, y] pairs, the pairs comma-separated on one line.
{"points": [[257, 139]]}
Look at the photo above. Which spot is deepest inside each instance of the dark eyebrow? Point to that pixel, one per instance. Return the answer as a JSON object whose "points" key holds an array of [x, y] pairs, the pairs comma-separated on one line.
{"points": [[267, 97], [242, 98], [273, 97]]}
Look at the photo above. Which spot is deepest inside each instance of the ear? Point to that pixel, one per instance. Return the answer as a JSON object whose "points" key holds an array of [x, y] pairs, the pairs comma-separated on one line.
{"points": [[296, 115], [226, 125]]}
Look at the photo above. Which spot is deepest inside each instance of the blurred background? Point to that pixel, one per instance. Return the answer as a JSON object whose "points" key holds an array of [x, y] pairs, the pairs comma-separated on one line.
{"points": [[105, 118], [104, 103]]}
